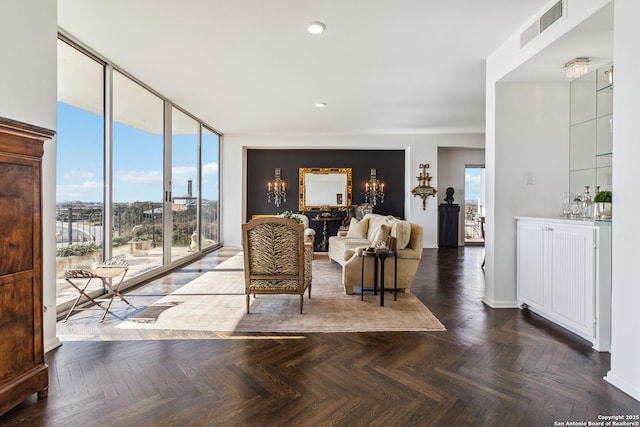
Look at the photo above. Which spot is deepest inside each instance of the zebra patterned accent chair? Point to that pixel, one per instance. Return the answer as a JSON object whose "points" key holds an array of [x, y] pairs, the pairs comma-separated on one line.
{"points": [[276, 259]]}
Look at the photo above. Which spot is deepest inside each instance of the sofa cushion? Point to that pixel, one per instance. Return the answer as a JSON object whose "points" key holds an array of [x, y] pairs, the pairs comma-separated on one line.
{"points": [[357, 229], [345, 247], [375, 221], [401, 230], [381, 235]]}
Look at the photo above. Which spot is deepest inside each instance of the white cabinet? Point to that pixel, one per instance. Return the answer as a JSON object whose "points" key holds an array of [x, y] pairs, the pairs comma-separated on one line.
{"points": [[564, 274]]}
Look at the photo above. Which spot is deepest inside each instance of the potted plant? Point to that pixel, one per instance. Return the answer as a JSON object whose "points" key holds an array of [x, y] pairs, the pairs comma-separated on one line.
{"points": [[291, 215], [140, 245], [602, 200]]}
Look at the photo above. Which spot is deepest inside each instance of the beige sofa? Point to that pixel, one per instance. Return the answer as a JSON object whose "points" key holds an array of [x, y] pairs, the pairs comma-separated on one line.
{"points": [[309, 233], [346, 250]]}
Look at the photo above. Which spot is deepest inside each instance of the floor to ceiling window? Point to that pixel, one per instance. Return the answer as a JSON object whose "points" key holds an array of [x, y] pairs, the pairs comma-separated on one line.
{"points": [[112, 164], [138, 177], [184, 184], [80, 165], [474, 205], [210, 235]]}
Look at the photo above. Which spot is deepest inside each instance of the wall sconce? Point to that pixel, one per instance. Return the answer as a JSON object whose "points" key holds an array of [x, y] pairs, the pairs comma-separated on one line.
{"points": [[374, 189], [609, 74], [275, 190], [577, 67], [424, 188]]}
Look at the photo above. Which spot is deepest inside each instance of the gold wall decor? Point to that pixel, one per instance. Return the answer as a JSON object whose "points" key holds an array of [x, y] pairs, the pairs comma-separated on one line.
{"points": [[424, 188]]}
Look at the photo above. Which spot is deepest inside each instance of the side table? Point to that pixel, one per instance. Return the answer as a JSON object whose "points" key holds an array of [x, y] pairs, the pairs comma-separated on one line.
{"points": [[382, 256]]}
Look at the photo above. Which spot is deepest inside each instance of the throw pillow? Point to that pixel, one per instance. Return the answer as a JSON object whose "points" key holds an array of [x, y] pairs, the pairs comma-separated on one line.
{"points": [[357, 229], [375, 221], [401, 230], [380, 235], [363, 209]]}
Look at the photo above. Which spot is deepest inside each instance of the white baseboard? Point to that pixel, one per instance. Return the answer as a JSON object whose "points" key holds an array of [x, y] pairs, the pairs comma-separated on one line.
{"points": [[500, 304], [618, 382], [52, 344]]}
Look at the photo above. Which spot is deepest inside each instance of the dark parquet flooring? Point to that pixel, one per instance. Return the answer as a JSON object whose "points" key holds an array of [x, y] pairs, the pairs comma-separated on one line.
{"points": [[503, 367]]}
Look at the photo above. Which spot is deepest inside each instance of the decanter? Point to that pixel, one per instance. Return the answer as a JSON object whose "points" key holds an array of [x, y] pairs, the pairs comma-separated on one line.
{"points": [[587, 204]]}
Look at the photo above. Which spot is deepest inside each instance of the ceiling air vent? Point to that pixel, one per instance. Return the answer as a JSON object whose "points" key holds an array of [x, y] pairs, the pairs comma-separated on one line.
{"points": [[539, 25], [551, 16], [529, 34]]}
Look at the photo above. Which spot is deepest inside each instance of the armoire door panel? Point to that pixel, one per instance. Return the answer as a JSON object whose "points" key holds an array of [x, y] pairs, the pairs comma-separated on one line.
{"points": [[16, 217]]}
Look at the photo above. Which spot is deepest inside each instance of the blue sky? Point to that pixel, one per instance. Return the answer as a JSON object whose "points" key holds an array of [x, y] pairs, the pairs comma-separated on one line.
{"points": [[473, 181], [137, 158]]}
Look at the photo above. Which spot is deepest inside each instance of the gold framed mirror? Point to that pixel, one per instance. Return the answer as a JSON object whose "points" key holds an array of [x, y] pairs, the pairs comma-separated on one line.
{"points": [[325, 188]]}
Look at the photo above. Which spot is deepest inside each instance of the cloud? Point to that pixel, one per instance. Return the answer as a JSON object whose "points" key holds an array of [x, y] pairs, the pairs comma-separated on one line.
{"points": [[180, 175], [473, 179], [130, 181], [73, 174], [140, 176], [89, 191], [90, 185], [210, 169], [473, 184]]}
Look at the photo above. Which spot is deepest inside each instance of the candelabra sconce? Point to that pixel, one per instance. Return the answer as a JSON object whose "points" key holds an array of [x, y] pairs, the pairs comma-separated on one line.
{"points": [[276, 190], [424, 189], [374, 189]]}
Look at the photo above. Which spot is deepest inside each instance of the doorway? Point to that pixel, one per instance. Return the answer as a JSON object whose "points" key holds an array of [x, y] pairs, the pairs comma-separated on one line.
{"points": [[474, 205]]}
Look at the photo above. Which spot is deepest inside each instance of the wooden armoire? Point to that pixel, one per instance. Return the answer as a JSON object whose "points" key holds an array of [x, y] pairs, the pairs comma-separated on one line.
{"points": [[22, 368]]}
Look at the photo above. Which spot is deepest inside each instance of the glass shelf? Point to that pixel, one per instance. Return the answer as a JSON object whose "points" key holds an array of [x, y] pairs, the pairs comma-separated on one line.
{"points": [[607, 88], [604, 154]]}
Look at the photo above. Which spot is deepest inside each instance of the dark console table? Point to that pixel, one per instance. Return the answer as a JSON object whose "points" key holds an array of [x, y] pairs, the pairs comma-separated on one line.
{"points": [[324, 244]]}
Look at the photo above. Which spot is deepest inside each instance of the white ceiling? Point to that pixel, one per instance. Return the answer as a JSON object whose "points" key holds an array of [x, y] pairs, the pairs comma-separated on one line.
{"points": [[249, 66]]}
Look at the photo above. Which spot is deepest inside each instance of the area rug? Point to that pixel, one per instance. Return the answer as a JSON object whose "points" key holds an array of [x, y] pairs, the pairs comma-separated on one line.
{"points": [[215, 302], [151, 313]]}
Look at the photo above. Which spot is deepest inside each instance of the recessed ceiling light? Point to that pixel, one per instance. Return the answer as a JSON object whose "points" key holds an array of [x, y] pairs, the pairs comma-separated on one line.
{"points": [[321, 104], [316, 27]]}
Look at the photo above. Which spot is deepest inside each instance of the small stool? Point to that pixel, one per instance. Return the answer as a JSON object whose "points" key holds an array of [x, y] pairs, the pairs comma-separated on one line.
{"points": [[105, 272]]}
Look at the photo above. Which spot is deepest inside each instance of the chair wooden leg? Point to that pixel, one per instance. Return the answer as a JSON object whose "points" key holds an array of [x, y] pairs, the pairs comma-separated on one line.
{"points": [[248, 300], [301, 302], [309, 290]]}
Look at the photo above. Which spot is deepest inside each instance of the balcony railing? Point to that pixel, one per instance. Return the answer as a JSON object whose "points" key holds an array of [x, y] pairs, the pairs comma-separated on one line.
{"points": [[473, 228]]}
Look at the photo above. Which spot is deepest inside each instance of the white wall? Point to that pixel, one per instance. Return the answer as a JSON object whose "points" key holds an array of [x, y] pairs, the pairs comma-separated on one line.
{"points": [[28, 77], [501, 173], [625, 342], [506, 169], [28, 30], [418, 148], [451, 173], [531, 171]]}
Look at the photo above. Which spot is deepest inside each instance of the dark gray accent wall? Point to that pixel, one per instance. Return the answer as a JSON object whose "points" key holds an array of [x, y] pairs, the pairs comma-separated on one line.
{"points": [[262, 163]]}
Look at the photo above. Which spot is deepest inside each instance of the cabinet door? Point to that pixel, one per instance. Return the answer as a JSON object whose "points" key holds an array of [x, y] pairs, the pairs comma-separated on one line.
{"points": [[20, 283], [531, 264], [573, 276]]}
